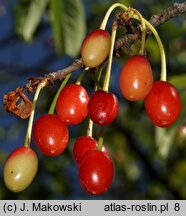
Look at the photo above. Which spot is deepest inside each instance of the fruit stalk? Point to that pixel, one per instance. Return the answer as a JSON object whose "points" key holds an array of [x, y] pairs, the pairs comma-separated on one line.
{"points": [[96, 86], [82, 74], [148, 24], [89, 128], [100, 140], [108, 70], [53, 104], [109, 11], [143, 30], [163, 76], [30, 122]]}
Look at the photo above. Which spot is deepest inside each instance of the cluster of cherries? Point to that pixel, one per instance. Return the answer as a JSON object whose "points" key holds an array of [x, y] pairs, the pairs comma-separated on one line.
{"points": [[50, 134], [50, 131], [162, 100]]}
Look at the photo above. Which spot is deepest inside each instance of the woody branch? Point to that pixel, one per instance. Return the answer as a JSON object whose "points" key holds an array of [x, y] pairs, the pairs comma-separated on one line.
{"points": [[125, 42]]}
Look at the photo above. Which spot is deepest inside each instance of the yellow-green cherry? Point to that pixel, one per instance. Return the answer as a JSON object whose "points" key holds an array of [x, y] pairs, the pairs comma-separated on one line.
{"points": [[20, 169], [95, 48]]}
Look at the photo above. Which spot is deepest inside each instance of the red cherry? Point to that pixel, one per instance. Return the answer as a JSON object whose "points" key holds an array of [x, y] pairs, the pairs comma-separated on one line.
{"points": [[83, 144], [20, 169], [163, 104], [95, 48], [103, 107], [96, 172], [72, 104], [50, 135], [136, 78]]}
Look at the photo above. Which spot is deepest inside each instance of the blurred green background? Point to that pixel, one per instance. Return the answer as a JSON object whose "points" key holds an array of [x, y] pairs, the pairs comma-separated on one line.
{"points": [[150, 162]]}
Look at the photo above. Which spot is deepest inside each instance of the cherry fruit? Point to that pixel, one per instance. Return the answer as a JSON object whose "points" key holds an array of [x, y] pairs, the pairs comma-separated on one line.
{"points": [[103, 107], [136, 78], [83, 144], [50, 135], [163, 104], [96, 172], [95, 48], [72, 104], [20, 169]]}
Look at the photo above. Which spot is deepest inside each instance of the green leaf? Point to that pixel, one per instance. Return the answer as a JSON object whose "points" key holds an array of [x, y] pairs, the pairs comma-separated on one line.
{"points": [[68, 22], [28, 17], [56, 21], [164, 140], [21, 10]]}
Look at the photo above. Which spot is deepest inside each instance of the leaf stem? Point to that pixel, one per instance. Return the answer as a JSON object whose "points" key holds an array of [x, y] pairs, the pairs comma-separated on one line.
{"points": [[31, 118], [53, 104]]}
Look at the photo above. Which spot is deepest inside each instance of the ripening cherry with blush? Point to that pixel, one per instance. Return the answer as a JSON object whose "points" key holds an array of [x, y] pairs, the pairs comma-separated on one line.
{"points": [[163, 104], [95, 48], [20, 169], [84, 144], [96, 172], [136, 78], [50, 135], [71, 106], [103, 107]]}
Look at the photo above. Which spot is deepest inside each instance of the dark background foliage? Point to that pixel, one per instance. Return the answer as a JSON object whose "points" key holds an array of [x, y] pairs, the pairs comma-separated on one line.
{"points": [[150, 162]]}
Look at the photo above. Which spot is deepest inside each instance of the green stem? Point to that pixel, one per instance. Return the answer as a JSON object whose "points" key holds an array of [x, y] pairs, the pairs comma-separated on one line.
{"points": [[143, 36], [82, 74], [91, 123], [99, 73], [108, 69], [163, 75], [96, 81], [109, 11], [162, 52], [53, 104], [31, 118], [90, 128], [100, 140]]}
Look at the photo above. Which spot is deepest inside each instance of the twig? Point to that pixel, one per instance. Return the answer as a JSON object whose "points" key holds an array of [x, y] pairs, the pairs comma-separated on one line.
{"points": [[173, 11], [156, 20], [60, 74], [123, 43]]}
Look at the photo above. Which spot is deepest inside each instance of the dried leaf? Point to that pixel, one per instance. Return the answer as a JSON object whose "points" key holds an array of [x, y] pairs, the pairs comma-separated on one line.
{"points": [[17, 103]]}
